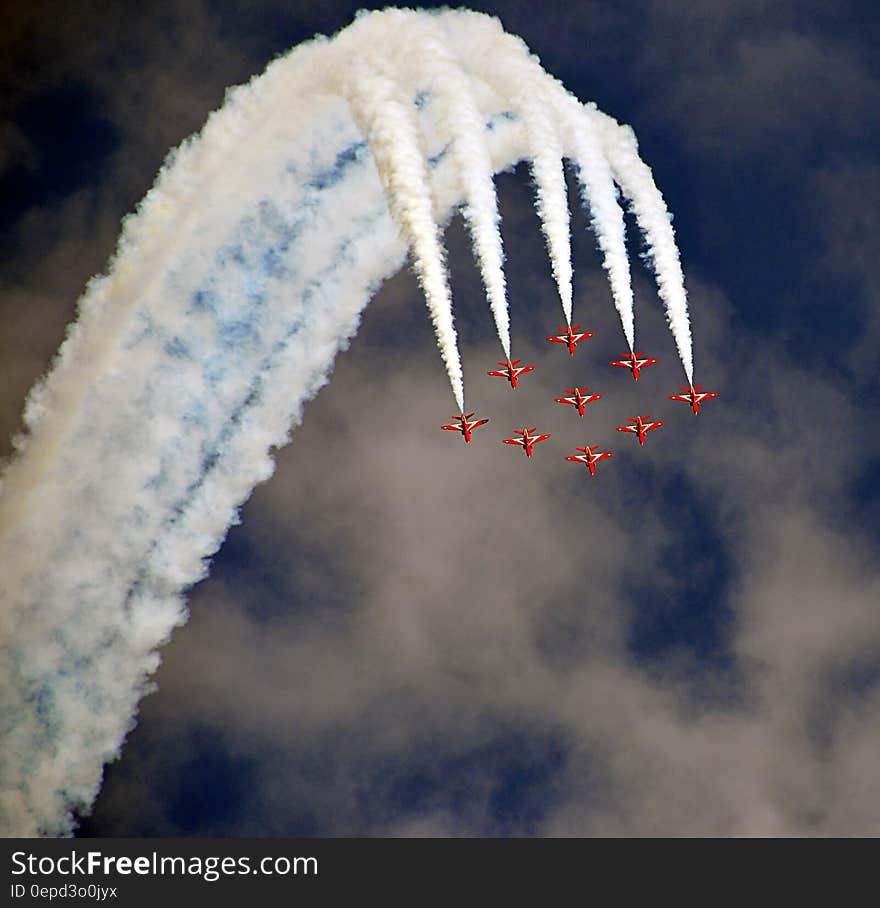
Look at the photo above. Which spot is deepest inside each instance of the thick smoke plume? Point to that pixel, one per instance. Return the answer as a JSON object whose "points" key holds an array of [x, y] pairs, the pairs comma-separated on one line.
{"points": [[242, 274]]}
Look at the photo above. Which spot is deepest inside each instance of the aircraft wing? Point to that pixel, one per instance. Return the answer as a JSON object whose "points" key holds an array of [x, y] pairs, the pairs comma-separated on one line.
{"points": [[513, 441], [521, 370], [452, 428], [706, 395], [627, 429], [540, 438]]}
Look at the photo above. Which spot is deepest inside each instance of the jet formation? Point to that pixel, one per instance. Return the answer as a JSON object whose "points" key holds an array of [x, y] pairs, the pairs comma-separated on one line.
{"points": [[576, 397]]}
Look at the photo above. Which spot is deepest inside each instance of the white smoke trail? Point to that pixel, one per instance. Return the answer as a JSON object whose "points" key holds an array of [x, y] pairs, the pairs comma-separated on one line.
{"points": [[545, 148], [461, 119], [617, 155], [600, 199], [504, 61], [637, 183], [137, 485], [390, 128], [241, 275]]}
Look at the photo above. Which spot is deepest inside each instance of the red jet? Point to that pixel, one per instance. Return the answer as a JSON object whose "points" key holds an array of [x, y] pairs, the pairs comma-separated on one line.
{"points": [[466, 425], [640, 428], [579, 399], [632, 362], [693, 397], [589, 457], [569, 336], [511, 372], [528, 441]]}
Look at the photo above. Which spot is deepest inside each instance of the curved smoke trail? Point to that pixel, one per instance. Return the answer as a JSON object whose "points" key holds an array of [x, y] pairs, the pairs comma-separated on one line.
{"points": [[241, 275], [504, 62], [637, 183], [460, 118]]}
